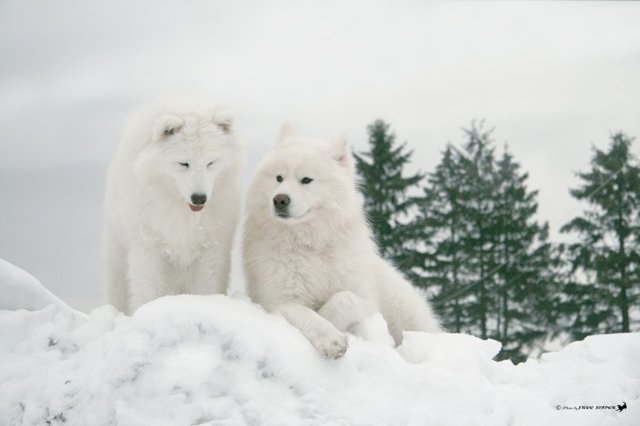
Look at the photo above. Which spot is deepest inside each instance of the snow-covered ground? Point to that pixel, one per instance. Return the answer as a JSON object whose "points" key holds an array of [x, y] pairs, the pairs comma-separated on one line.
{"points": [[216, 360]]}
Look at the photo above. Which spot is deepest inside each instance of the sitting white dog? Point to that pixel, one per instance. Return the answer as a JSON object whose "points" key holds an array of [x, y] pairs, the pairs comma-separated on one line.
{"points": [[308, 252], [172, 203]]}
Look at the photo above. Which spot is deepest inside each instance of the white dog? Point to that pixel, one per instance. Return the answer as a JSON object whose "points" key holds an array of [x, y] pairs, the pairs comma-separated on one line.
{"points": [[308, 252], [172, 203]]}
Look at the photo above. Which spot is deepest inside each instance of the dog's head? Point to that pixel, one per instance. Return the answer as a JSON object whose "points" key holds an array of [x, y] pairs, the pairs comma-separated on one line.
{"points": [[302, 179], [187, 148]]}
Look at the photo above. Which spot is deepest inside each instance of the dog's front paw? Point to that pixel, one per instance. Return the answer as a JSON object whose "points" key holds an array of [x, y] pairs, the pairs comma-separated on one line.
{"points": [[332, 345]]}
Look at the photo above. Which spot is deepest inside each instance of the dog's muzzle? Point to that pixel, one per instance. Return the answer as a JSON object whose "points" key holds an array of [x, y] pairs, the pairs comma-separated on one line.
{"points": [[281, 204]]}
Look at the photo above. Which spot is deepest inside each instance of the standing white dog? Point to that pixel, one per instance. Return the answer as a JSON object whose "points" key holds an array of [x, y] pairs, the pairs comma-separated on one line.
{"points": [[172, 203], [308, 252]]}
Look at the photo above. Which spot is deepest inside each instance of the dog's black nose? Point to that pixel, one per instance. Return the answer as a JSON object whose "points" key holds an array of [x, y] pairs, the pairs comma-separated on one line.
{"points": [[198, 199], [281, 201]]}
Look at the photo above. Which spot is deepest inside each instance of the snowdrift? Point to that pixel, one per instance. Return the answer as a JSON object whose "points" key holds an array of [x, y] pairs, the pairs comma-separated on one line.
{"points": [[20, 290], [215, 360]]}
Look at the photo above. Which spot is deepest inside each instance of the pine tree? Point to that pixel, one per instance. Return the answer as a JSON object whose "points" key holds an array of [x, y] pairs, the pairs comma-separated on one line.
{"points": [[388, 202], [606, 257], [490, 262], [444, 224], [478, 165], [456, 212], [525, 267]]}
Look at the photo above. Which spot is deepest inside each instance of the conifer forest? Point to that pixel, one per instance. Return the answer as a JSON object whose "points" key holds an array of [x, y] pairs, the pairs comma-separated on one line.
{"points": [[468, 233]]}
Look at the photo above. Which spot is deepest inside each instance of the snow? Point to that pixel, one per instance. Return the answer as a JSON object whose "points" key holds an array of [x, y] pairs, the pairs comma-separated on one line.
{"points": [[218, 360], [20, 290]]}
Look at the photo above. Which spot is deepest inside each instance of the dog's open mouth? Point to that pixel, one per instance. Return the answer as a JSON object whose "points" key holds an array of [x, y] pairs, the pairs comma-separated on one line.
{"points": [[195, 208]]}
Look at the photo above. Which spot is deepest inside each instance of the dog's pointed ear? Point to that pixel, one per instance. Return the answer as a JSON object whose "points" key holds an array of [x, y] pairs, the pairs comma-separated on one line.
{"points": [[224, 120], [166, 126], [340, 151], [286, 132]]}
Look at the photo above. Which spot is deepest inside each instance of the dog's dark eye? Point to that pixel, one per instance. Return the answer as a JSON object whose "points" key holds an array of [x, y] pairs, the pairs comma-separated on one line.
{"points": [[279, 178], [306, 180], [185, 165], [210, 163]]}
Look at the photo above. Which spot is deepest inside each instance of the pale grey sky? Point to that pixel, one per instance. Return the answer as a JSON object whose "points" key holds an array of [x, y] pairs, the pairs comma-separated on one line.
{"points": [[553, 78]]}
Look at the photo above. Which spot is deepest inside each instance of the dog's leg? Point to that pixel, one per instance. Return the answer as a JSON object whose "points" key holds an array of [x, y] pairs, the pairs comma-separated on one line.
{"points": [[323, 335], [117, 291], [146, 276], [211, 274], [345, 309]]}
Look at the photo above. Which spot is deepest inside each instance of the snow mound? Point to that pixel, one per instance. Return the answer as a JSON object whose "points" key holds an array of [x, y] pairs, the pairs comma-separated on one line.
{"points": [[214, 360], [20, 290]]}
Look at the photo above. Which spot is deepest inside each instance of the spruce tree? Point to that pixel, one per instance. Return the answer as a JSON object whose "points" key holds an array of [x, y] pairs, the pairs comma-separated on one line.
{"points": [[457, 212], [444, 222], [478, 165], [489, 260], [525, 278], [605, 258], [388, 202]]}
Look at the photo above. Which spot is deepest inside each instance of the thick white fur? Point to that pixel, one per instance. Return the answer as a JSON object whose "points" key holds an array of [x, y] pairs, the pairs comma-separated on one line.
{"points": [[319, 268], [155, 244]]}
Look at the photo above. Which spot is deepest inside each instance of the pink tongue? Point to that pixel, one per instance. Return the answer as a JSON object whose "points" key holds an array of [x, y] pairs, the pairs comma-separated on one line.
{"points": [[195, 208]]}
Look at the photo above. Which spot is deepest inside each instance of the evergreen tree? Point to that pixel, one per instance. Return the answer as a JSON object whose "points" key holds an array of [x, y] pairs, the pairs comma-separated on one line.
{"points": [[524, 276], [477, 162], [388, 201], [489, 260], [606, 258], [445, 224]]}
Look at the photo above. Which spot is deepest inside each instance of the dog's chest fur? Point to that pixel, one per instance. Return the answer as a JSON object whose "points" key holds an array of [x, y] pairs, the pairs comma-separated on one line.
{"points": [[306, 275]]}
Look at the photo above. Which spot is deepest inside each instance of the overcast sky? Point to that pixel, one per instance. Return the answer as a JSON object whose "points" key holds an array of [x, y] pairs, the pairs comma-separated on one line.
{"points": [[552, 78]]}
